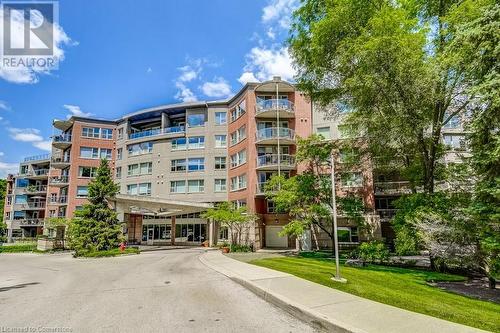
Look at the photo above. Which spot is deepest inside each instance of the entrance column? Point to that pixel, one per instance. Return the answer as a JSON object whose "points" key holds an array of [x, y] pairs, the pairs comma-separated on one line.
{"points": [[172, 231], [210, 232]]}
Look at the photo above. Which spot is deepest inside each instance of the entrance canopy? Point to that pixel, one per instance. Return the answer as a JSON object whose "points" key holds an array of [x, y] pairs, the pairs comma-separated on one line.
{"points": [[134, 204]]}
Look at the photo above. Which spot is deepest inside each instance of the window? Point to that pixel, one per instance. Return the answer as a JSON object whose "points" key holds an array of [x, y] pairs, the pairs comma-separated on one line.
{"points": [[239, 203], [140, 148], [220, 185], [140, 169], [105, 153], [324, 131], [82, 191], [119, 153], [196, 142], [132, 189], [106, 133], [223, 233], [21, 199], [348, 234], [21, 182], [220, 163], [238, 135], [119, 172], [239, 182], [89, 152], [87, 172], [145, 189], [178, 186], [271, 207], [178, 165], [239, 158], [120, 133], [90, 132], [179, 144], [454, 122], [196, 186], [343, 107], [196, 164], [351, 179], [195, 120], [238, 111], [455, 142], [220, 141], [220, 118]]}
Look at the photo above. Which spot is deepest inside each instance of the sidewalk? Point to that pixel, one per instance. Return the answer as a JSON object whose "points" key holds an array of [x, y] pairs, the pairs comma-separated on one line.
{"points": [[333, 310]]}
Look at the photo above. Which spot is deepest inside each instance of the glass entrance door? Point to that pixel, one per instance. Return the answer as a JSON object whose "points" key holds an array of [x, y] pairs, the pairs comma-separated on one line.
{"points": [[150, 236]]}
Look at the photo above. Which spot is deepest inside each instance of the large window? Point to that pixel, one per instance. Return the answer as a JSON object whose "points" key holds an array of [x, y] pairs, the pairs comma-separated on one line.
{"points": [[196, 142], [91, 132], [220, 118], [196, 186], [178, 165], [21, 199], [348, 234], [239, 182], [238, 135], [351, 179], [139, 189], [140, 148], [238, 111], [324, 132], [220, 141], [239, 158], [118, 172], [105, 153], [179, 144], [89, 152], [196, 119], [220, 185], [456, 142], [82, 191], [107, 133], [220, 163], [178, 186], [87, 172], [119, 154], [140, 169], [196, 164]]}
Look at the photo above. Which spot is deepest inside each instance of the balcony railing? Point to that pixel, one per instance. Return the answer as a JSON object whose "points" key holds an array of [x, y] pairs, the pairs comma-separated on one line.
{"points": [[37, 158], [32, 222], [36, 189], [63, 138], [275, 133], [63, 199], [274, 105], [261, 188], [157, 131], [59, 180], [60, 159], [272, 160], [402, 187], [34, 205], [38, 172], [386, 214]]}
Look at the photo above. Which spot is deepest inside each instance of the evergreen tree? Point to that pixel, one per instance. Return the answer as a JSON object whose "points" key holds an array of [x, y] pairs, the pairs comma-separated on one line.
{"points": [[96, 226]]}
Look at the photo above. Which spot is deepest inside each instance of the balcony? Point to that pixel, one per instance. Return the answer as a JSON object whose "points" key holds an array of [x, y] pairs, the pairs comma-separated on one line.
{"points": [[271, 108], [270, 162], [31, 222], [60, 181], [34, 205], [392, 188], [37, 174], [261, 189], [35, 189], [61, 200], [168, 132], [386, 214], [62, 141], [271, 136], [60, 162], [42, 157]]}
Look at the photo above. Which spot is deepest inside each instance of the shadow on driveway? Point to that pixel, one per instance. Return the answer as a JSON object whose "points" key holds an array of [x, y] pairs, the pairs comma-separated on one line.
{"points": [[18, 286]]}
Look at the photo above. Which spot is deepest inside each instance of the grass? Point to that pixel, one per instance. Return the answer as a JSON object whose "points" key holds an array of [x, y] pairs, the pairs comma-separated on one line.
{"points": [[400, 287], [16, 248], [110, 253]]}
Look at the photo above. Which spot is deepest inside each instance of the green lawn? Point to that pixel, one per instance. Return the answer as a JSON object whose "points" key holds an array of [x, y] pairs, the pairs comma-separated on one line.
{"points": [[15, 248], [404, 288]]}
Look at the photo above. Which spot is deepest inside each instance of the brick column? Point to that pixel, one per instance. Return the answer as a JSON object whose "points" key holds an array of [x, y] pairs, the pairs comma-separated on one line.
{"points": [[172, 232]]}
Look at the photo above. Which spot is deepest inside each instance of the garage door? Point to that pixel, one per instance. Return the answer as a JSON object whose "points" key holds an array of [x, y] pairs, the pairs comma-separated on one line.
{"points": [[273, 239]]}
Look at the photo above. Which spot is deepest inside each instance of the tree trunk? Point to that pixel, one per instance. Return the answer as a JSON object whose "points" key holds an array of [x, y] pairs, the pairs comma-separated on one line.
{"points": [[492, 283]]}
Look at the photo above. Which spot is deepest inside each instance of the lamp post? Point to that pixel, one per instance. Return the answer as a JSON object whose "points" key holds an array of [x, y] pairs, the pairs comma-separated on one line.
{"points": [[337, 276]]}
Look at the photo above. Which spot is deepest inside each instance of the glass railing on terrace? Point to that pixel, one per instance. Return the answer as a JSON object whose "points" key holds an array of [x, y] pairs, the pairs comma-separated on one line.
{"points": [[272, 159], [63, 199], [59, 180], [32, 222], [37, 158], [274, 132], [62, 138], [38, 172], [36, 188], [157, 131], [274, 104], [60, 159]]}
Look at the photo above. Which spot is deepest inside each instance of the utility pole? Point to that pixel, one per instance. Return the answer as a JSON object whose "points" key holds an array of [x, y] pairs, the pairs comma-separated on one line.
{"points": [[337, 276]]}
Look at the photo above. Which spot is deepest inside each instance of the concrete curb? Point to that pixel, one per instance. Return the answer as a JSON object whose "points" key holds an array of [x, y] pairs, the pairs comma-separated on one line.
{"points": [[297, 310]]}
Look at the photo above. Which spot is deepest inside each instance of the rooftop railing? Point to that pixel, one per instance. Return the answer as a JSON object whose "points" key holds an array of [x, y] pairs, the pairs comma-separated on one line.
{"points": [[37, 158]]}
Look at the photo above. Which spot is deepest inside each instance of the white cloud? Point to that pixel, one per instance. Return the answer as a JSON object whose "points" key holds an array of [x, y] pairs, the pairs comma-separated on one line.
{"points": [[247, 77], [279, 11], [217, 88], [1, 153], [25, 134], [188, 73], [4, 106], [184, 94], [267, 62], [43, 145], [30, 75], [6, 168], [270, 33], [149, 70], [31, 135], [76, 111]]}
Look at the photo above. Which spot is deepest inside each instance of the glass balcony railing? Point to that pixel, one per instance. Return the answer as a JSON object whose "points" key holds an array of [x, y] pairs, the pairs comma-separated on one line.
{"points": [[157, 131], [401, 187], [272, 160], [37, 158], [63, 199], [63, 138], [38, 172], [59, 180], [274, 105], [275, 133], [34, 205], [36, 189], [261, 188], [32, 222], [60, 159]]}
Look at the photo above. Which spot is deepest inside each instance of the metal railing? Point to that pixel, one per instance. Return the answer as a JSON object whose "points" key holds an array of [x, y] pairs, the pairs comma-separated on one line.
{"points": [[35, 188], [60, 159], [38, 172], [59, 180], [63, 199], [34, 205], [32, 222], [157, 131], [386, 213], [274, 105], [261, 188], [272, 159], [61, 138], [37, 158], [274, 133], [401, 187]]}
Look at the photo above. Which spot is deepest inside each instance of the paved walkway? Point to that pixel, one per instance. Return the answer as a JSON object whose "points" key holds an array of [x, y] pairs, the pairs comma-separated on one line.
{"points": [[335, 310]]}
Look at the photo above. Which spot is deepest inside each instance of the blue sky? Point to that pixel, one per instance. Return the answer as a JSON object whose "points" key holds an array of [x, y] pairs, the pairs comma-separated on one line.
{"points": [[118, 56]]}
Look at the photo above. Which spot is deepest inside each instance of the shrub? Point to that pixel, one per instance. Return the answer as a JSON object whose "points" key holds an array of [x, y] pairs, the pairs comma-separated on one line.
{"points": [[109, 253], [240, 248], [373, 252], [27, 247]]}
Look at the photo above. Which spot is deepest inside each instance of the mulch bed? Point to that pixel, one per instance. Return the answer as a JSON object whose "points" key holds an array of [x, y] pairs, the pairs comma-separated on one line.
{"points": [[476, 288]]}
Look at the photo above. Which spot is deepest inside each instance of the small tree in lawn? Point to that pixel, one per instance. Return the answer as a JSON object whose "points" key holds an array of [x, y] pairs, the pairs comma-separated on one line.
{"points": [[96, 226]]}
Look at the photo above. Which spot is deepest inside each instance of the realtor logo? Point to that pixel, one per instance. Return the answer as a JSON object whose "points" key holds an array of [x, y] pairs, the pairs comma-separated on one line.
{"points": [[28, 34]]}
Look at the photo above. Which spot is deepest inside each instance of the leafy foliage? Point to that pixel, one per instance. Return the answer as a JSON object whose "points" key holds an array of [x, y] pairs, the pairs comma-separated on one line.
{"points": [[3, 226], [373, 252], [96, 226]]}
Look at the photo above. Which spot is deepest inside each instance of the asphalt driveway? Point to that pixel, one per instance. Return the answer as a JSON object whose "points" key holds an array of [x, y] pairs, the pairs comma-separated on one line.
{"points": [[162, 291]]}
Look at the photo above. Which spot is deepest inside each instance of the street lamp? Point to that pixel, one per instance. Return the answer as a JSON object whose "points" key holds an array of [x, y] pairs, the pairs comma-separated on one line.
{"points": [[337, 276]]}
